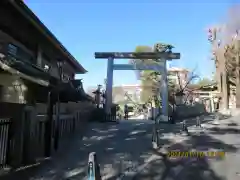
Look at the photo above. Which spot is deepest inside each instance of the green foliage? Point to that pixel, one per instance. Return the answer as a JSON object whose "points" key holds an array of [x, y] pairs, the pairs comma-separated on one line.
{"points": [[144, 76], [162, 47], [150, 80], [143, 49]]}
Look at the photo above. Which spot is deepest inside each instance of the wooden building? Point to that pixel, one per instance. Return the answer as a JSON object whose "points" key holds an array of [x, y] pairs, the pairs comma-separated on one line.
{"points": [[29, 56]]}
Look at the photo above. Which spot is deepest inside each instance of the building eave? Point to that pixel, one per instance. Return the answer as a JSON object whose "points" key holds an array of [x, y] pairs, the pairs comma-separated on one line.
{"points": [[31, 17]]}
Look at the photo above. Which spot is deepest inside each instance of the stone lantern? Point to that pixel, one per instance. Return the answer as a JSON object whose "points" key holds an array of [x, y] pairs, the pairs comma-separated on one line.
{"points": [[98, 94]]}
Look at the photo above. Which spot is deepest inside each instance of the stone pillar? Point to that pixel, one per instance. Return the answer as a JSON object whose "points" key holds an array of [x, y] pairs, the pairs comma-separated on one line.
{"points": [[164, 93], [109, 85]]}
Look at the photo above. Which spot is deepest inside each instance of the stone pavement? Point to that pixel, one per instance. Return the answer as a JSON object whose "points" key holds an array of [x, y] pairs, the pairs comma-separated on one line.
{"points": [[224, 137]]}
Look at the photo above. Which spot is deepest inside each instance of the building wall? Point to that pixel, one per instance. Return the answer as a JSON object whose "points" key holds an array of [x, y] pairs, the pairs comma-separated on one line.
{"points": [[133, 91], [34, 41], [13, 88]]}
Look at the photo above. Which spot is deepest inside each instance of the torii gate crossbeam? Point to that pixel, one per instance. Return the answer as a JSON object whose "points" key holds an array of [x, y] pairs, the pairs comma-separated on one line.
{"points": [[160, 66]]}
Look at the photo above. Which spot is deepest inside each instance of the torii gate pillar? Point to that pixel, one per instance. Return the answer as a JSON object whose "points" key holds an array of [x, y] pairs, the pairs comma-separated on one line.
{"points": [[159, 66], [109, 85]]}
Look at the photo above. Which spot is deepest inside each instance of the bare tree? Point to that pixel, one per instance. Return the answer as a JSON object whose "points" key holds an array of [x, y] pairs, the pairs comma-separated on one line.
{"points": [[225, 49], [183, 89]]}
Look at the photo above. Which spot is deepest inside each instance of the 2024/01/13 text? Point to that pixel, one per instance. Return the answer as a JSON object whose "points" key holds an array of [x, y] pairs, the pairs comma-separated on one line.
{"points": [[195, 154]]}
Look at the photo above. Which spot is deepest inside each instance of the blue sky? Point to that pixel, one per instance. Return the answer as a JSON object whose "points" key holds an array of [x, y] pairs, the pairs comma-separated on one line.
{"points": [[120, 25]]}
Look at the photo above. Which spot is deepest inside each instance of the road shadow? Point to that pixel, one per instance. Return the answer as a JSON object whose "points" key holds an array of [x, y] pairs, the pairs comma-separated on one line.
{"points": [[119, 148], [225, 130], [178, 169], [122, 147], [232, 124], [223, 116], [183, 168]]}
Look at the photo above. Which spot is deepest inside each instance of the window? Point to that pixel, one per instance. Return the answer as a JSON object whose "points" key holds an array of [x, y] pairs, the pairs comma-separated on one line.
{"points": [[16, 52], [23, 55], [11, 54], [12, 50]]}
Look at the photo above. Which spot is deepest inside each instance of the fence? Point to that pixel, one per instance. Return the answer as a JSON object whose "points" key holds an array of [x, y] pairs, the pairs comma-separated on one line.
{"points": [[22, 133], [5, 126]]}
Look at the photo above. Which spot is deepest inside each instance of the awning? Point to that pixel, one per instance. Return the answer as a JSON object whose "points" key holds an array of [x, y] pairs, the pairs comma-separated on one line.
{"points": [[69, 93], [77, 84]]}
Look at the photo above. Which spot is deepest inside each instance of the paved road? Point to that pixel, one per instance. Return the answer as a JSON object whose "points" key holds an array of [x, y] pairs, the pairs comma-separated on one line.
{"points": [[120, 147], [125, 148], [224, 137]]}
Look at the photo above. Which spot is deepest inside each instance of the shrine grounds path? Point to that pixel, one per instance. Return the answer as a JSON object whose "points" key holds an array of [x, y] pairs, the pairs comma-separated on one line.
{"points": [[125, 151]]}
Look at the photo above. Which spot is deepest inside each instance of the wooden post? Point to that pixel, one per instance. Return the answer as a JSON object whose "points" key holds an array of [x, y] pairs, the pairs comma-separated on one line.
{"points": [[48, 126], [17, 134]]}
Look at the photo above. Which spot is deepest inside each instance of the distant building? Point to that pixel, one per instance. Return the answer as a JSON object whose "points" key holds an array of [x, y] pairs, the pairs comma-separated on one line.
{"points": [[126, 93], [133, 91]]}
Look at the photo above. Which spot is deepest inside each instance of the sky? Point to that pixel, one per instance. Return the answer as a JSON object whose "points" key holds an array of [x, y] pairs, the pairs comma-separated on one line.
{"points": [[88, 26]]}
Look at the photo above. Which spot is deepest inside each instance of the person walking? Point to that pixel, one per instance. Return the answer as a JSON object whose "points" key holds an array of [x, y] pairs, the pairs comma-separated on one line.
{"points": [[126, 111], [145, 111]]}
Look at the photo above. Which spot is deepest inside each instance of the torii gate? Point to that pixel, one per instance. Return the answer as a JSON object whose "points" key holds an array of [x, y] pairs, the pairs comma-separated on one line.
{"points": [[159, 66]]}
